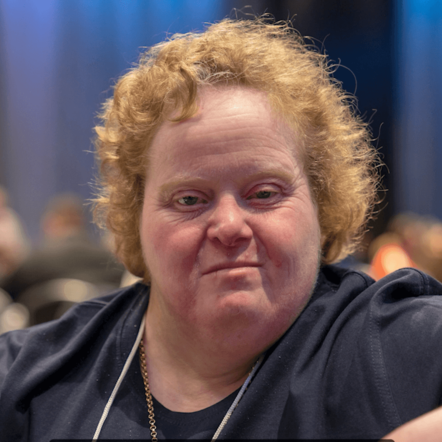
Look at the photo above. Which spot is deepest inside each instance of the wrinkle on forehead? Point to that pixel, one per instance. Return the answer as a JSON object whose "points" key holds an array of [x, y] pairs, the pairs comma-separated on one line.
{"points": [[214, 97]]}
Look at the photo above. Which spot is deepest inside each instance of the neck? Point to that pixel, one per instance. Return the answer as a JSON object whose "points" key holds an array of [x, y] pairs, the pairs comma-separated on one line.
{"points": [[189, 372]]}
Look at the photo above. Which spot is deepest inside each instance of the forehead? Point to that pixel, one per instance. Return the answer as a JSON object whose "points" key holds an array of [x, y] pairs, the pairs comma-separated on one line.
{"points": [[232, 125]]}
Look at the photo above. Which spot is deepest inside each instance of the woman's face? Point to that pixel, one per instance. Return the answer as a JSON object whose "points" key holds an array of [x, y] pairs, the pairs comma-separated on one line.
{"points": [[229, 230]]}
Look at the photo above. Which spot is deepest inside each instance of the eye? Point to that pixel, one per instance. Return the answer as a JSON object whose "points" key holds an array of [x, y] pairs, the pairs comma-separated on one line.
{"points": [[262, 194], [189, 200]]}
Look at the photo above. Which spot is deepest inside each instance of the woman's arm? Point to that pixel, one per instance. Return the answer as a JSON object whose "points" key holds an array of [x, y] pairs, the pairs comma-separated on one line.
{"points": [[425, 428]]}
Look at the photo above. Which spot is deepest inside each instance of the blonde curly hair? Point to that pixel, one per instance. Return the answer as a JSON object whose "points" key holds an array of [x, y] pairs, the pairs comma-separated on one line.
{"points": [[339, 160]]}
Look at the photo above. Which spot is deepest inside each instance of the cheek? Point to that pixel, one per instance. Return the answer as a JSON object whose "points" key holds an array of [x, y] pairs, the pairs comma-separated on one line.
{"points": [[293, 246], [292, 233], [170, 249]]}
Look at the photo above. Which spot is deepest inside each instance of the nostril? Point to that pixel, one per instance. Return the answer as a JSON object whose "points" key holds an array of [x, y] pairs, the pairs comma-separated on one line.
{"points": [[228, 223], [230, 234]]}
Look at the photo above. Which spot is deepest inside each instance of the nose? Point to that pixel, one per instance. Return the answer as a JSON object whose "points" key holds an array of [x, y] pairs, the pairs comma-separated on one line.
{"points": [[228, 223]]}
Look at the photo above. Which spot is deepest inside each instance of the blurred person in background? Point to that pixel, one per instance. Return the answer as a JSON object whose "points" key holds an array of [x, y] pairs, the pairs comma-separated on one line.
{"points": [[14, 245], [387, 254], [432, 248], [411, 240], [234, 174], [66, 252]]}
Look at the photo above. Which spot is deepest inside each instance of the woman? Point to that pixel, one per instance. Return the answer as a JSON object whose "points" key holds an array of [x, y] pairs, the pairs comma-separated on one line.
{"points": [[233, 173]]}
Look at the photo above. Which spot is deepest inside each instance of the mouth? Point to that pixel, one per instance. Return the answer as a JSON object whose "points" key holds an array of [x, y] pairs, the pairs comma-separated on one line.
{"points": [[230, 265]]}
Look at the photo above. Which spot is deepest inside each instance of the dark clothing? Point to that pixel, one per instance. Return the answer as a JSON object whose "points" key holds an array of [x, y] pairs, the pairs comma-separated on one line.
{"points": [[72, 257], [203, 423], [362, 358]]}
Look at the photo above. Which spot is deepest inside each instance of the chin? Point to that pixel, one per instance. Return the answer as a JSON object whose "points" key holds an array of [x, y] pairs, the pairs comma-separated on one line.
{"points": [[246, 330], [240, 309], [241, 301]]}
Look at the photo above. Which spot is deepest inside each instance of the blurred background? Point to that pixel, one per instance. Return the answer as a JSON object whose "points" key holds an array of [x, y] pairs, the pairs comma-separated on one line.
{"points": [[59, 60]]}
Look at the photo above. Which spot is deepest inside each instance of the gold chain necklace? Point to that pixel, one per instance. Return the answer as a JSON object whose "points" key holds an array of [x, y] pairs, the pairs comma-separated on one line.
{"points": [[153, 428]]}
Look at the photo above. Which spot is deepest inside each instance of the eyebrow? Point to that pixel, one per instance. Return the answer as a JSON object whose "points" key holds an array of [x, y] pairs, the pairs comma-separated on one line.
{"points": [[189, 180], [274, 173]]}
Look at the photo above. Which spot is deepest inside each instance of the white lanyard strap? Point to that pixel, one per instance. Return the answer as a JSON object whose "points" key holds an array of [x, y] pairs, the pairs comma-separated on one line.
{"points": [[120, 379]]}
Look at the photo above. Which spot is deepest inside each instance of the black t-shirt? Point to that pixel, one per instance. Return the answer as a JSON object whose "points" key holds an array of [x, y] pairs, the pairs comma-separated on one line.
{"points": [[362, 358], [197, 425], [169, 424]]}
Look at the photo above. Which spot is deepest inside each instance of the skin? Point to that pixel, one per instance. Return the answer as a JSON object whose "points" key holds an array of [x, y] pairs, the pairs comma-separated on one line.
{"points": [[231, 238], [427, 427]]}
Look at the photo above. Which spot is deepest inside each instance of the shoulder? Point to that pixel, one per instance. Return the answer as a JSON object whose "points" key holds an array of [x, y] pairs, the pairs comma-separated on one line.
{"points": [[405, 284], [382, 337], [46, 343], [399, 316]]}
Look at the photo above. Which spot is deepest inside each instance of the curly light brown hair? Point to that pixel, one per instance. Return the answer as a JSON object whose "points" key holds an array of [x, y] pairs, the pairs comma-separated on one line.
{"points": [[339, 160]]}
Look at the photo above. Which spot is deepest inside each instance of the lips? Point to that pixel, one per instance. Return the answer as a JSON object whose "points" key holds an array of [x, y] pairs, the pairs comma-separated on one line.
{"points": [[230, 265]]}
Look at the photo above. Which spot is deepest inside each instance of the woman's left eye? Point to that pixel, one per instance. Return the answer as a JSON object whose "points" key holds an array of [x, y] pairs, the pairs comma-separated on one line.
{"points": [[262, 194]]}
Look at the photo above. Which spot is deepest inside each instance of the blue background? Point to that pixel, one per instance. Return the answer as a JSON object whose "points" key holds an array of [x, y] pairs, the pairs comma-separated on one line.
{"points": [[60, 58]]}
